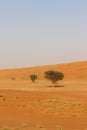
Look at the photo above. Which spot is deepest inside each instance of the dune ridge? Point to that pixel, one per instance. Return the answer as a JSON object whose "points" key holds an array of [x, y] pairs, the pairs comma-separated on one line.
{"points": [[75, 70]]}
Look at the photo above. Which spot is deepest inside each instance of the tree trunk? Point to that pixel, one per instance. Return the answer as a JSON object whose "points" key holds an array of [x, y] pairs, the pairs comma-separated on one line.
{"points": [[53, 82]]}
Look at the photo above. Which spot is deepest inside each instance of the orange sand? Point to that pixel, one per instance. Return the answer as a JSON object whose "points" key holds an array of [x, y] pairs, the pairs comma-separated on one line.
{"points": [[37, 106], [77, 70]]}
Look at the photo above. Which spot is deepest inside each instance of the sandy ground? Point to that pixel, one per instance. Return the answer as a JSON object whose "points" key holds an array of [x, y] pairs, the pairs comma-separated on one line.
{"points": [[33, 106]]}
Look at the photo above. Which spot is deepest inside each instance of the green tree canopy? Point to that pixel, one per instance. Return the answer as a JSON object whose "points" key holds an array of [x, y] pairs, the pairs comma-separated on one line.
{"points": [[54, 76], [33, 77]]}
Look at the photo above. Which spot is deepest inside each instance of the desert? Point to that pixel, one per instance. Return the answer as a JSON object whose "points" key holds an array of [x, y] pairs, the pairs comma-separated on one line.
{"points": [[43, 64], [39, 106]]}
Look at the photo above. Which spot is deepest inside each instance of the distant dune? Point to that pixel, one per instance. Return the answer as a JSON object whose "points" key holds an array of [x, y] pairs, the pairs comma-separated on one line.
{"points": [[76, 70]]}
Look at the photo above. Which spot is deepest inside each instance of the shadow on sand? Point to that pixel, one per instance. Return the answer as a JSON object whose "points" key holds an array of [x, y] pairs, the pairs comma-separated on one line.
{"points": [[55, 86]]}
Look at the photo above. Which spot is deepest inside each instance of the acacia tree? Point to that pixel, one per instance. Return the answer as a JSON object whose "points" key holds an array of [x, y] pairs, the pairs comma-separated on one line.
{"points": [[33, 77], [54, 76]]}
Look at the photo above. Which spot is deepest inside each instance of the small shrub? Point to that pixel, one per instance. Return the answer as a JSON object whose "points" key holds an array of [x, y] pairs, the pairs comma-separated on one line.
{"points": [[24, 126], [5, 128], [33, 77], [40, 126], [13, 78], [1, 96]]}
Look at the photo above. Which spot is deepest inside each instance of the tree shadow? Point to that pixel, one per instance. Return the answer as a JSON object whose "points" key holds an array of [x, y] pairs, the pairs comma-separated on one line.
{"points": [[59, 86], [55, 86]]}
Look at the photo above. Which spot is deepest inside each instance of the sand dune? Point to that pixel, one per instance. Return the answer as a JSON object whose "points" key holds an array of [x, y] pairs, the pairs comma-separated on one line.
{"points": [[76, 70], [24, 105]]}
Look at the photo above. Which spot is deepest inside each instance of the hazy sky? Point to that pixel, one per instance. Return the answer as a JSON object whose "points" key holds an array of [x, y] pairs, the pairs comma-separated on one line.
{"points": [[40, 32]]}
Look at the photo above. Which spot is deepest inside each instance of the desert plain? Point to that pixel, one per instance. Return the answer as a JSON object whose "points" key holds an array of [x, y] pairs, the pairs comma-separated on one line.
{"points": [[39, 106]]}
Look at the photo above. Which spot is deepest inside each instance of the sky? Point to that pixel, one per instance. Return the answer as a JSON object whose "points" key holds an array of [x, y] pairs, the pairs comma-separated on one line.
{"points": [[42, 32]]}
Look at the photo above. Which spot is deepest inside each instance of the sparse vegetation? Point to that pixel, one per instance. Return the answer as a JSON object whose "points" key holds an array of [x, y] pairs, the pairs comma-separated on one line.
{"points": [[3, 97], [5, 128], [24, 126], [59, 128], [43, 105], [54, 76], [13, 78], [40, 126]]}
